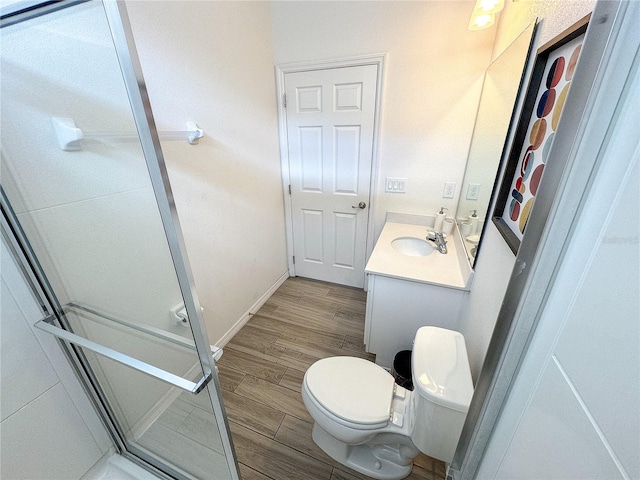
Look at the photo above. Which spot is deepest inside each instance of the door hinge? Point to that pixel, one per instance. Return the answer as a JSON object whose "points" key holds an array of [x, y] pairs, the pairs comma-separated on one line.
{"points": [[294, 259], [289, 189], [284, 100]]}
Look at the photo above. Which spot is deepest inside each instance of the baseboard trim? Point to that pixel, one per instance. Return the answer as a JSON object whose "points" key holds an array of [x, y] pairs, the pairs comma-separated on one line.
{"points": [[249, 313]]}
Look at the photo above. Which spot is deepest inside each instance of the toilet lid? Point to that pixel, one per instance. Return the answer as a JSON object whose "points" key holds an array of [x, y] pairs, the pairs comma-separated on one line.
{"points": [[351, 388]]}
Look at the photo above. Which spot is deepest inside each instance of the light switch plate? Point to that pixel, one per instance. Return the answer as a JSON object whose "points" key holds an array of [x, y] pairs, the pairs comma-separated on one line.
{"points": [[395, 185]]}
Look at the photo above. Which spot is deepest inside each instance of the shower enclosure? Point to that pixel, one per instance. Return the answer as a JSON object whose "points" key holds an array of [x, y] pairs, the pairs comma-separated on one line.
{"points": [[90, 217]]}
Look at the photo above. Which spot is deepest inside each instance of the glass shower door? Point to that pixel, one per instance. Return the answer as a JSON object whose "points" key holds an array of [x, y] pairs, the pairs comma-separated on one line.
{"points": [[86, 205]]}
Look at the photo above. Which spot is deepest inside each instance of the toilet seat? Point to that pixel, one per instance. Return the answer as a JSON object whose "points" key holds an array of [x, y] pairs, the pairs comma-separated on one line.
{"points": [[356, 392]]}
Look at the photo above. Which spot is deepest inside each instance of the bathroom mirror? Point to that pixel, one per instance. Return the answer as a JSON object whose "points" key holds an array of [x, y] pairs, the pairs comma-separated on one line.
{"points": [[499, 93]]}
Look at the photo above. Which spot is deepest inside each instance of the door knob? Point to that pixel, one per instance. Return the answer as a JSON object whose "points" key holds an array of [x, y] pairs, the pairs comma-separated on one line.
{"points": [[361, 205]]}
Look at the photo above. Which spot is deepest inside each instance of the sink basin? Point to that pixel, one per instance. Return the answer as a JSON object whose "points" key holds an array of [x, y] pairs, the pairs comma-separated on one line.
{"points": [[412, 246]]}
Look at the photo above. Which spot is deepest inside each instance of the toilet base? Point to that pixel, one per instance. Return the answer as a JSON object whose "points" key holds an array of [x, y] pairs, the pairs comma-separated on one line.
{"points": [[385, 462]]}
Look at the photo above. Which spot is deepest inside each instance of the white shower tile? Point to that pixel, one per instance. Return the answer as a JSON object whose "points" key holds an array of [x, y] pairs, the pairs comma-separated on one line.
{"points": [[54, 358], [17, 285], [25, 371], [51, 427], [109, 253]]}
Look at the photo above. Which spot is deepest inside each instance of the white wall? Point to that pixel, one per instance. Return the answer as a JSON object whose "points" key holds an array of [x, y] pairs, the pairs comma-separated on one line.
{"points": [[495, 260], [212, 63], [431, 88], [48, 428]]}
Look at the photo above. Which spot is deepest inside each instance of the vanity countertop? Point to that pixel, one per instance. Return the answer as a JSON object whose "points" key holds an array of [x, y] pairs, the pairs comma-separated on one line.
{"points": [[435, 268]]}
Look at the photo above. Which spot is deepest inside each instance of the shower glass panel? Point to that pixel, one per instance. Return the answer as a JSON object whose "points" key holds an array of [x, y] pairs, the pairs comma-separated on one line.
{"points": [[92, 216]]}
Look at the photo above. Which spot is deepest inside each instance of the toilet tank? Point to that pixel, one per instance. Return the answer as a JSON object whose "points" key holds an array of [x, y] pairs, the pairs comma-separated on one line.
{"points": [[443, 391]]}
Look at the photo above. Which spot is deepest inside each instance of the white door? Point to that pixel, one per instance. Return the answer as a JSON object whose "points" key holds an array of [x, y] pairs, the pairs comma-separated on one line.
{"points": [[330, 127]]}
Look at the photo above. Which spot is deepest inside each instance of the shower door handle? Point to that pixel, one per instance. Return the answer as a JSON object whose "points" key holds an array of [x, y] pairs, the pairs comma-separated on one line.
{"points": [[192, 387]]}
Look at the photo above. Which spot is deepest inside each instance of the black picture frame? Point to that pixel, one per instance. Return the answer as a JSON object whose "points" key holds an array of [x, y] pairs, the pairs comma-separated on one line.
{"points": [[532, 133]]}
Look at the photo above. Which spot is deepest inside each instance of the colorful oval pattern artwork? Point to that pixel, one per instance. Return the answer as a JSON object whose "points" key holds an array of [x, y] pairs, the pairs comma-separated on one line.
{"points": [[536, 151]]}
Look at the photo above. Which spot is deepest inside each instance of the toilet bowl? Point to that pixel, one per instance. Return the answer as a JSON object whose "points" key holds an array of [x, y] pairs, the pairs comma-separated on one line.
{"points": [[365, 421]]}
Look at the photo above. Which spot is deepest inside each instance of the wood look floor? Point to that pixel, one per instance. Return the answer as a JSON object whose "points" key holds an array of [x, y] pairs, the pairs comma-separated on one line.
{"points": [[261, 374]]}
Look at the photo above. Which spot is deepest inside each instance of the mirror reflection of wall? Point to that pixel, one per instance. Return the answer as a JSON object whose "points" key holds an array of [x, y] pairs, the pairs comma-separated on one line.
{"points": [[499, 93]]}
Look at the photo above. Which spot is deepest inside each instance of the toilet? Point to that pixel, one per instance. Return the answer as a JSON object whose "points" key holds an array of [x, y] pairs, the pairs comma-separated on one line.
{"points": [[365, 421]]}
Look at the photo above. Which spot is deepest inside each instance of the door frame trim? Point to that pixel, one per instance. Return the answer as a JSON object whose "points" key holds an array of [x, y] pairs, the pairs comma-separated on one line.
{"points": [[281, 70]]}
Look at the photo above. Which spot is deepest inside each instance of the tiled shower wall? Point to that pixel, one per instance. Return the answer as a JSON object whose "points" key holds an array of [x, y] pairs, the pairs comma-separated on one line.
{"points": [[48, 429]]}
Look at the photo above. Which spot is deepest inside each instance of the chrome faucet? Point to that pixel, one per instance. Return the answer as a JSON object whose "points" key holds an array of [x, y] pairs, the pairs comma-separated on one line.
{"points": [[438, 239]]}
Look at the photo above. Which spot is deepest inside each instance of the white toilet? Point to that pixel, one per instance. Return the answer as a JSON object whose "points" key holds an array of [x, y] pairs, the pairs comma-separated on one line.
{"points": [[368, 423]]}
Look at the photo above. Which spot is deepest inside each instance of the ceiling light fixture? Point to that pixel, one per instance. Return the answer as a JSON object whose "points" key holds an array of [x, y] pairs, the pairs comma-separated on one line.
{"points": [[484, 13]]}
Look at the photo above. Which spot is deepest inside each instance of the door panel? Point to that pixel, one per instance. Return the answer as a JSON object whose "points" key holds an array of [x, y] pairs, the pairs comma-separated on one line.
{"points": [[347, 159], [330, 128]]}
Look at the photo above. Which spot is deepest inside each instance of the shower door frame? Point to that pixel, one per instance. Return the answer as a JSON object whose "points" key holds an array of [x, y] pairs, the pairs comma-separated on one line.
{"points": [[126, 53]]}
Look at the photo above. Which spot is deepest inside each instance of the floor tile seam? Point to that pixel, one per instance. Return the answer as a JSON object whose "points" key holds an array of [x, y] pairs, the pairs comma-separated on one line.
{"points": [[258, 471], [301, 368], [294, 339], [175, 430], [353, 350], [235, 370], [300, 330], [334, 308], [279, 427], [300, 317], [343, 298], [307, 455], [273, 331], [357, 315], [290, 389], [354, 353], [301, 353], [257, 432], [283, 445], [243, 349], [262, 378], [292, 346], [286, 297], [244, 370], [338, 469], [301, 306], [239, 367], [244, 422], [324, 298], [259, 400], [299, 325]]}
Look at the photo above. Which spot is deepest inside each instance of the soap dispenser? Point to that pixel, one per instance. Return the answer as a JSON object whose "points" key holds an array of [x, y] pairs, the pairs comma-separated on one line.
{"points": [[473, 219], [437, 226]]}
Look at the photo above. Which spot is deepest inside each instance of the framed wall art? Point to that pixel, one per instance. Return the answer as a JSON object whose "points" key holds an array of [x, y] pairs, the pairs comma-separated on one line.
{"points": [[553, 70]]}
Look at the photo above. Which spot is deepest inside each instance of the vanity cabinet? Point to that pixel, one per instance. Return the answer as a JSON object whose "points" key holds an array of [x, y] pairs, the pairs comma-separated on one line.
{"points": [[396, 308]]}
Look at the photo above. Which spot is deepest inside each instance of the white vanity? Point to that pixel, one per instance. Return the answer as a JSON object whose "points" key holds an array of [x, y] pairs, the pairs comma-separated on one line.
{"points": [[408, 289]]}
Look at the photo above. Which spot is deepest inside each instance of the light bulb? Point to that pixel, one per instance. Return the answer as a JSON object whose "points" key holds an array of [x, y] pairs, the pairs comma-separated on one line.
{"points": [[488, 7], [478, 22]]}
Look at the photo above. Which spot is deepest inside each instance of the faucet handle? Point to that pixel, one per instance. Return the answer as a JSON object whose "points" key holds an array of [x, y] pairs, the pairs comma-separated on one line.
{"points": [[431, 235]]}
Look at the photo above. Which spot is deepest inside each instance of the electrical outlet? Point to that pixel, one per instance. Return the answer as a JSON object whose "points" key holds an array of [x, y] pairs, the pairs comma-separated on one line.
{"points": [[473, 191], [449, 190], [395, 185]]}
